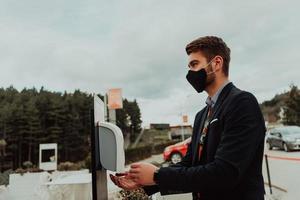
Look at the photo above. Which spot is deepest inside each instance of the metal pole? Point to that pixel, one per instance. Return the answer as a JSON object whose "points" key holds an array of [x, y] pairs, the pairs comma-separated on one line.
{"points": [[182, 134], [112, 116], [93, 156], [105, 108], [99, 176], [182, 111], [268, 172]]}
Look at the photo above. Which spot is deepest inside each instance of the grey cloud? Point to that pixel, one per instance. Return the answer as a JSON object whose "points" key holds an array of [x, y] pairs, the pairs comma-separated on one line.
{"points": [[139, 46]]}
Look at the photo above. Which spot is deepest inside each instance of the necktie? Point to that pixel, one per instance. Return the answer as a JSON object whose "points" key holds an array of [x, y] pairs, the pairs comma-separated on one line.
{"points": [[204, 132], [203, 136]]}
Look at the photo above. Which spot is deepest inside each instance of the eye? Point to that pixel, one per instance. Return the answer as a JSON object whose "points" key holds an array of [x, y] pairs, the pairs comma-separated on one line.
{"points": [[192, 65]]}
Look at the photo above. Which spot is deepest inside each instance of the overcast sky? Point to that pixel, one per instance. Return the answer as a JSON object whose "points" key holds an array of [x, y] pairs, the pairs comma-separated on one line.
{"points": [[139, 46]]}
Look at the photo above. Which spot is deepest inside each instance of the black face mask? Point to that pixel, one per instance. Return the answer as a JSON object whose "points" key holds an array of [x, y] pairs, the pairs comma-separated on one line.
{"points": [[197, 79]]}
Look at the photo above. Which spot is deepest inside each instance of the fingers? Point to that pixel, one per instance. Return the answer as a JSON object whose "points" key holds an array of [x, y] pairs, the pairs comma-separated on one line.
{"points": [[121, 174], [134, 177], [129, 180], [134, 171], [115, 180], [135, 165], [112, 178], [125, 184]]}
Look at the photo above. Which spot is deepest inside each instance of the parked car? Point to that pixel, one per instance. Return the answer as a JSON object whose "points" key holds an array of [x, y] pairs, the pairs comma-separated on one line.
{"points": [[175, 152], [286, 138]]}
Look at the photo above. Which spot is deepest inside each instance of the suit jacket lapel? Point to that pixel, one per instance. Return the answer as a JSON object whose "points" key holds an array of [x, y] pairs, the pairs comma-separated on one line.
{"points": [[198, 134]]}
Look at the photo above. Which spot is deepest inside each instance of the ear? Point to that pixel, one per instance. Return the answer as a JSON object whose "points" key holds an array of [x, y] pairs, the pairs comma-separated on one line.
{"points": [[218, 63]]}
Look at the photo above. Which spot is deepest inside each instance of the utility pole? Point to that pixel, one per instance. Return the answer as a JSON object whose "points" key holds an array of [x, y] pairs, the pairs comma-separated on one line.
{"points": [[182, 131]]}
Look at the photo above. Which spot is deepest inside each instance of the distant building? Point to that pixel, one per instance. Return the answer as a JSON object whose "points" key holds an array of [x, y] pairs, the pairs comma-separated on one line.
{"points": [[177, 131], [160, 126]]}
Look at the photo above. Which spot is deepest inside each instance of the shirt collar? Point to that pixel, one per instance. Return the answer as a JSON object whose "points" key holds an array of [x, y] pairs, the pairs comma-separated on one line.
{"points": [[211, 101]]}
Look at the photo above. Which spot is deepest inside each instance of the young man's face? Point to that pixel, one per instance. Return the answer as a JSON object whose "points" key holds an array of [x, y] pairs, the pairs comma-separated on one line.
{"points": [[198, 61]]}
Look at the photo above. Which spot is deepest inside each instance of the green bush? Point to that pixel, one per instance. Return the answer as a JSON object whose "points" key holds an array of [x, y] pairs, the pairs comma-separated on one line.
{"points": [[31, 170], [159, 148], [88, 162], [139, 153], [143, 152], [69, 166], [27, 164], [4, 177]]}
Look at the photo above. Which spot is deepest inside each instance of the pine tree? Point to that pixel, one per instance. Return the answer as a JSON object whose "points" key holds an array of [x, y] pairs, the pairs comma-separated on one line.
{"points": [[292, 108]]}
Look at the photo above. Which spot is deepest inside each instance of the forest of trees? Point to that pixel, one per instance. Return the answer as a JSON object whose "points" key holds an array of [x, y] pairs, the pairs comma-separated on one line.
{"points": [[31, 117]]}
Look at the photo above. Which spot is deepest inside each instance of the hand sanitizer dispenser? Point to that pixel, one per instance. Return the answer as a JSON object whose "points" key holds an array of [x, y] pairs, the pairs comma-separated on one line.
{"points": [[110, 148]]}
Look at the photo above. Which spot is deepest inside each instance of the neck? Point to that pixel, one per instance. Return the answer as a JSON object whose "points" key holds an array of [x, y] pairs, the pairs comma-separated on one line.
{"points": [[215, 86]]}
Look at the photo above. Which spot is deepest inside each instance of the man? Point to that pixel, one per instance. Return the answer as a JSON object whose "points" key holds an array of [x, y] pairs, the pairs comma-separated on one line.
{"points": [[224, 159]]}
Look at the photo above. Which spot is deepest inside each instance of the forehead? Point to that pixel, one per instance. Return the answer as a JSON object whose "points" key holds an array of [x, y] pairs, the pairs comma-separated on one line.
{"points": [[196, 56]]}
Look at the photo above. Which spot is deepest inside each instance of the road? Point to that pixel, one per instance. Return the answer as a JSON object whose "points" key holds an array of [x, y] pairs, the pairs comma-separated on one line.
{"points": [[285, 172]]}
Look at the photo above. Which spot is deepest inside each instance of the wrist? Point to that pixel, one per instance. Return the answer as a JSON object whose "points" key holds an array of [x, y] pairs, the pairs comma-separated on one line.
{"points": [[156, 176]]}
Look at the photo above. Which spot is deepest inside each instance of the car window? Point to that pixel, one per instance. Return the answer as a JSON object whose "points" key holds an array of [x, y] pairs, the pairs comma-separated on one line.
{"points": [[291, 130], [272, 132], [275, 132]]}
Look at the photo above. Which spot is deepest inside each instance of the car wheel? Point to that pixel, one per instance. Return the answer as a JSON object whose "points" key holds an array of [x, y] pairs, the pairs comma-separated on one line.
{"points": [[285, 147], [176, 157], [269, 146]]}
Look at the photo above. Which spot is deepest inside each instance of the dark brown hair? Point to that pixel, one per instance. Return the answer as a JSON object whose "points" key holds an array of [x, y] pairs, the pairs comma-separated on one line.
{"points": [[211, 46]]}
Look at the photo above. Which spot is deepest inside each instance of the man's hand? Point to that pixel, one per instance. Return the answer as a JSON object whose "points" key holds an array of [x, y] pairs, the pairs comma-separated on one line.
{"points": [[124, 181], [142, 173]]}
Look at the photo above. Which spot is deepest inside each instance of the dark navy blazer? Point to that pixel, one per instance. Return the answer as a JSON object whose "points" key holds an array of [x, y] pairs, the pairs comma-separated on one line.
{"points": [[231, 162]]}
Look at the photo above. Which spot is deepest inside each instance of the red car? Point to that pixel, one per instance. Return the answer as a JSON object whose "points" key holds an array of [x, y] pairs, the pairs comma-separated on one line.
{"points": [[175, 152]]}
